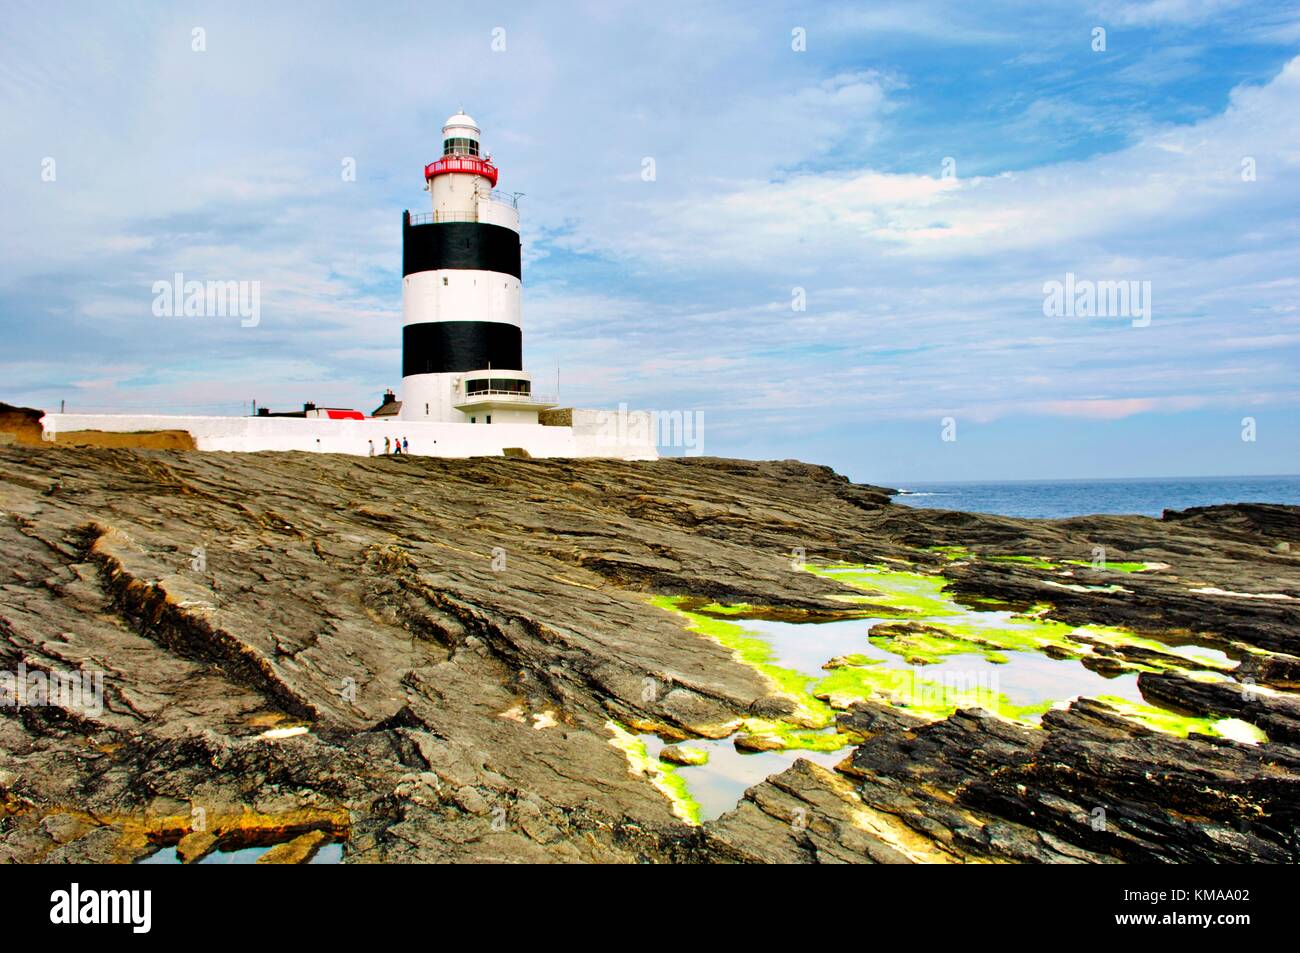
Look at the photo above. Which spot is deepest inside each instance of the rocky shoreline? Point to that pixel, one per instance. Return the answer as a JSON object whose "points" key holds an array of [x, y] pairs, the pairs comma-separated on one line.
{"points": [[441, 660]]}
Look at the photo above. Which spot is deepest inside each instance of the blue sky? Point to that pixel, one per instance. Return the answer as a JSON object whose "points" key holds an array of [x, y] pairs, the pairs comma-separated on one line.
{"points": [[776, 169]]}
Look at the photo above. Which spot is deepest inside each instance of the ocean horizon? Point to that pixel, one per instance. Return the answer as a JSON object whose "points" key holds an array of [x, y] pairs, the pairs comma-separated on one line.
{"points": [[1056, 499]]}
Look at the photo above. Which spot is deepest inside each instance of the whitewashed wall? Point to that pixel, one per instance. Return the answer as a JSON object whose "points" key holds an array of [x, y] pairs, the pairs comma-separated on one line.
{"points": [[251, 434]]}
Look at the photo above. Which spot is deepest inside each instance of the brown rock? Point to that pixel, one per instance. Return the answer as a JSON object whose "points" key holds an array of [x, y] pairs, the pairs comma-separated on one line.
{"points": [[195, 846], [297, 851], [226, 595]]}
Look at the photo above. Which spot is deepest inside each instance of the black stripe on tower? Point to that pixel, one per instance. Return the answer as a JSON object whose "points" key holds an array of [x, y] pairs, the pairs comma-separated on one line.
{"points": [[461, 245], [449, 347]]}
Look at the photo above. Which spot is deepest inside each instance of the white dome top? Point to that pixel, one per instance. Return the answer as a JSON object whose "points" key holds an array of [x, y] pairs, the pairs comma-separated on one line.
{"points": [[461, 123]]}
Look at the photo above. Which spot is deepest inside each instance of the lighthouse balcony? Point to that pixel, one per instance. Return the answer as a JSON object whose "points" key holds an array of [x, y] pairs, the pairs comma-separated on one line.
{"points": [[462, 164], [503, 398], [485, 392], [490, 208]]}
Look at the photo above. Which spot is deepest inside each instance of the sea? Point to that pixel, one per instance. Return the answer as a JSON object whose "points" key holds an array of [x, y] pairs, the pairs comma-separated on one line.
{"points": [[1060, 498]]}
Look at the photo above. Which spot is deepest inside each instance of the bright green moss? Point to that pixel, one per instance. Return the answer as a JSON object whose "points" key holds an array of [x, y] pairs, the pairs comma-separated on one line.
{"points": [[854, 658], [662, 775], [929, 697], [900, 590], [691, 756], [1034, 562], [756, 653], [1181, 656], [951, 552], [1113, 567], [793, 737], [1161, 719], [740, 608], [932, 628], [990, 634], [934, 642]]}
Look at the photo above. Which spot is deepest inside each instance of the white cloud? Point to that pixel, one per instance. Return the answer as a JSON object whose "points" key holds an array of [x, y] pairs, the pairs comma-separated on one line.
{"points": [[775, 170]]}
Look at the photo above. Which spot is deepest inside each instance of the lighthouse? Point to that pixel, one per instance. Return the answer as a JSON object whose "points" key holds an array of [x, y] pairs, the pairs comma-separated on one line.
{"points": [[462, 350], [462, 335]]}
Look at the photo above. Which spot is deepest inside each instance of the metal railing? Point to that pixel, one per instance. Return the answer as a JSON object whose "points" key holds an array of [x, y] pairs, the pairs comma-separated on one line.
{"points": [[497, 198], [516, 397], [473, 165], [429, 218]]}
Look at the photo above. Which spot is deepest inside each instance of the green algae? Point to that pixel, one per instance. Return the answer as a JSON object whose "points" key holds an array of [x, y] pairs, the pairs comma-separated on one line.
{"points": [[930, 697], [922, 597], [956, 553], [1112, 567], [860, 678], [661, 774], [961, 552], [903, 591], [931, 643], [940, 628], [1039, 562], [793, 737], [853, 658], [1173, 723], [744, 610], [690, 757], [753, 651], [713, 608], [911, 616], [951, 552], [928, 628], [1034, 562], [1203, 657]]}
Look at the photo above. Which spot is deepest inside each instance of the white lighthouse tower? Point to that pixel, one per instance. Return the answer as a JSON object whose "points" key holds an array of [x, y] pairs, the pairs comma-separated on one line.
{"points": [[462, 337]]}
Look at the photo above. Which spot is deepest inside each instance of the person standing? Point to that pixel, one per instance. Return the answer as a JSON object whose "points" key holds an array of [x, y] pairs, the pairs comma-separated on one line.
{"points": [[386, 450], [406, 447], [372, 448]]}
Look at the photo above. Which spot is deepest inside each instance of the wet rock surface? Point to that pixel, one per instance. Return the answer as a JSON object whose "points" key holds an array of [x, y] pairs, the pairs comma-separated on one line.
{"points": [[1088, 786], [422, 659]]}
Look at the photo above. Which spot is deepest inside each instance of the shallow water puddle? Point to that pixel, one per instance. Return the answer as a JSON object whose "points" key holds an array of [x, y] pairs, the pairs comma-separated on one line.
{"points": [[328, 854], [719, 784], [930, 656], [1030, 681], [922, 598]]}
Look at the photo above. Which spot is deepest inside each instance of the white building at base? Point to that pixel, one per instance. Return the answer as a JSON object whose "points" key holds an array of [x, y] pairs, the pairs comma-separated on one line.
{"points": [[616, 434]]}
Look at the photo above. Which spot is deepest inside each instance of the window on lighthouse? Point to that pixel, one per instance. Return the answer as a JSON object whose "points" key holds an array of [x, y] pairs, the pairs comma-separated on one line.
{"points": [[459, 147]]}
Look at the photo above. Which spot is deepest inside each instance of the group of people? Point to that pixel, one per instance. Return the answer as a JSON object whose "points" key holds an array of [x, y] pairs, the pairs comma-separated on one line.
{"points": [[392, 447]]}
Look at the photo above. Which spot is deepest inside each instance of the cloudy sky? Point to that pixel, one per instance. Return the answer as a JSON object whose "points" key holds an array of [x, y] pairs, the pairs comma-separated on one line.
{"points": [[912, 176]]}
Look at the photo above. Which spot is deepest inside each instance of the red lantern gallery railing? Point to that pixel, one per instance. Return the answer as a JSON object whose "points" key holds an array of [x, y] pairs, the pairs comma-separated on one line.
{"points": [[471, 165]]}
